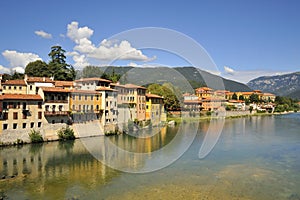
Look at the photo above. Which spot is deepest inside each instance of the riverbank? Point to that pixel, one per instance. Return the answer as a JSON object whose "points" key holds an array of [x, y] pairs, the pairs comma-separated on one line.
{"points": [[226, 115]]}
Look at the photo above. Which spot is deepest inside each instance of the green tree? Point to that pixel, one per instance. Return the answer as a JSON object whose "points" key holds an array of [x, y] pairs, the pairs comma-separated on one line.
{"points": [[242, 98], [254, 98], [234, 96], [58, 66], [37, 68], [170, 99]]}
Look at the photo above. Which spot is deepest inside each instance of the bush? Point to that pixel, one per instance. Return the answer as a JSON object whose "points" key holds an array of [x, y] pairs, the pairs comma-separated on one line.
{"points": [[35, 136], [66, 134]]}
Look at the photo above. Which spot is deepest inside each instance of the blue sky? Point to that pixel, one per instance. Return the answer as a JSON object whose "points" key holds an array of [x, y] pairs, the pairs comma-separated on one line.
{"points": [[245, 39]]}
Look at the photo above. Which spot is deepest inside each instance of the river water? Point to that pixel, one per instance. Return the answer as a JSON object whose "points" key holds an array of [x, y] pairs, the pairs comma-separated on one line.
{"points": [[254, 158]]}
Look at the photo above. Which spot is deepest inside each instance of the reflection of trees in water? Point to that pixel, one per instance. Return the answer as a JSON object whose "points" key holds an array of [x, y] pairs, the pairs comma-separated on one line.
{"points": [[35, 148], [66, 145]]}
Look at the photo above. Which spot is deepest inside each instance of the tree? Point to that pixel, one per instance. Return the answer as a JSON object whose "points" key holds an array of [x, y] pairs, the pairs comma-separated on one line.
{"points": [[241, 97], [37, 68], [254, 98], [170, 99], [234, 96], [58, 66]]}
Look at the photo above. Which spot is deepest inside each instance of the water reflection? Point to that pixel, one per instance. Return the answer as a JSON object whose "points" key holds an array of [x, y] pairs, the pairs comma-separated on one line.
{"points": [[255, 158]]}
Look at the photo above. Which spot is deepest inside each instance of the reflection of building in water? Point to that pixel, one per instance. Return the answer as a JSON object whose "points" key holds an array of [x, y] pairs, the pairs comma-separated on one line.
{"points": [[51, 161]]}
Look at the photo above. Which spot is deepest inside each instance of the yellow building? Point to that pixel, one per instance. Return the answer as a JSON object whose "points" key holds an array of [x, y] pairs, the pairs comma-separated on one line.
{"points": [[155, 109], [19, 112], [204, 92], [85, 105], [14, 87]]}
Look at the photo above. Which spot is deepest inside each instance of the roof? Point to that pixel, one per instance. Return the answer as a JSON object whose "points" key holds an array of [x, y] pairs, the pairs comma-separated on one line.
{"points": [[14, 82], [192, 101], [236, 101], [268, 94], [154, 96], [204, 88], [84, 92], [64, 83], [55, 89], [93, 79], [105, 89], [32, 97], [129, 85], [39, 79]]}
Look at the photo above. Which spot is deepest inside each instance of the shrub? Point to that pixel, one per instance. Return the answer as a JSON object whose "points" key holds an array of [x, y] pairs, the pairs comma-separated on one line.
{"points": [[66, 134], [35, 136]]}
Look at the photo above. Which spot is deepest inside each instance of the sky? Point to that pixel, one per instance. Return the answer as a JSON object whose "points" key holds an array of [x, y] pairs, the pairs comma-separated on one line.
{"points": [[244, 39]]}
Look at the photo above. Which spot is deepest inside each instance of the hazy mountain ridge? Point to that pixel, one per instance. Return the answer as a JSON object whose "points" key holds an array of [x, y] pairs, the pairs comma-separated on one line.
{"points": [[282, 85], [192, 75]]}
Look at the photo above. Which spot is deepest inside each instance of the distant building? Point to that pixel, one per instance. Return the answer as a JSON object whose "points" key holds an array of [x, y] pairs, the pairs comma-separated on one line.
{"points": [[91, 83], [191, 102]]}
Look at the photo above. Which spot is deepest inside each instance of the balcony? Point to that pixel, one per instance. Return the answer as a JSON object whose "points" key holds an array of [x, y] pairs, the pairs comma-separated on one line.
{"points": [[56, 113], [56, 101]]}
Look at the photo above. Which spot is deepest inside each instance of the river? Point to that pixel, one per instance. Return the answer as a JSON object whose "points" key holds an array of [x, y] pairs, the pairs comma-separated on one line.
{"points": [[253, 158]]}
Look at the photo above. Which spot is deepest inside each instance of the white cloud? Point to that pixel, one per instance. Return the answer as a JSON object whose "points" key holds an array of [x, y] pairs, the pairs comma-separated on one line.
{"points": [[132, 64], [43, 34], [17, 59], [107, 50], [4, 69], [229, 70], [80, 60], [75, 33], [19, 69]]}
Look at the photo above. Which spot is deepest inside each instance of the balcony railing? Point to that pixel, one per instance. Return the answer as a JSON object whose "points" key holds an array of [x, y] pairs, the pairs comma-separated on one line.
{"points": [[56, 113], [56, 101]]}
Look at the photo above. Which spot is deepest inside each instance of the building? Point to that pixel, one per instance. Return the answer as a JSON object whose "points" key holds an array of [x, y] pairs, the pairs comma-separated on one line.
{"points": [[191, 102], [19, 112], [91, 83], [155, 110], [56, 104], [237, 104], [85, 105], [204, 92], [14, 87], [109, 118]]}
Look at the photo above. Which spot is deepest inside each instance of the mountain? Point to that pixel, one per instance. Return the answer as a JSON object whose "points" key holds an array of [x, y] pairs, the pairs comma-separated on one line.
{"points": [[281, 85], [186, 78]]}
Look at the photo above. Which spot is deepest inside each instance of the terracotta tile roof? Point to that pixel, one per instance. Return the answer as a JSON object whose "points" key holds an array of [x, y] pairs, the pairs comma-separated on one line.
{"points": [[204, 88], [268, 94], [154, 96], [236, 101], [192, 101], [105, 89], [84, 92], [33, 97], [14, 82], [55, 89], [93, 79], [64, 83], [39, 79], [134, 86]]}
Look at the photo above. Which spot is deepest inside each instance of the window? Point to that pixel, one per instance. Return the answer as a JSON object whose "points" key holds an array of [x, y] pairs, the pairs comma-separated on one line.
{"points": [[92, 97], [5, 116], [79, 97], [15, 87], [39, 115], [60, 107], [9, 87], [40, 105], [15, 125], [5, 126], [92, 107], [4, 105], [24, 125], [53, 121], [79, 107], [20, 88], [62, 121], [30, 87], [85, 97], [39, 124], [73, 107], [4, 87], [31, 124], [15, 115], [53, 108], [24, 116], [97, 107], [97, 97], [47, 108], [24, 105]]}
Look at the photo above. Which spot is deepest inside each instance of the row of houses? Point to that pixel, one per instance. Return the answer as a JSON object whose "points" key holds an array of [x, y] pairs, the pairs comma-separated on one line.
{"points": [[208, 99], [38, 101]]}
